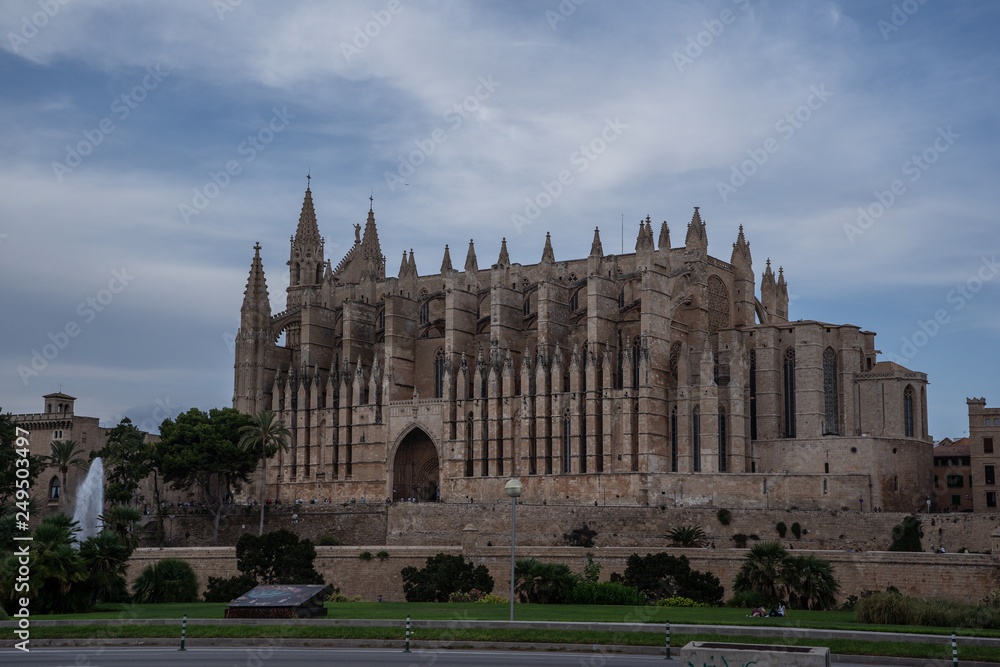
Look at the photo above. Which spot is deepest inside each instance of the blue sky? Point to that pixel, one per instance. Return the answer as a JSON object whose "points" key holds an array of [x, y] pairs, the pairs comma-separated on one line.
{"points": [[147, 146]]}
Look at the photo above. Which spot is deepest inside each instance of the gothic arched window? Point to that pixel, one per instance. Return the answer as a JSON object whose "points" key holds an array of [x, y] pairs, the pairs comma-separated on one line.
{"points": [[574, 301], [565, 442], [54, 489], [788, 391], [722, 439], [468, 446], [439, 374], [696, 439], [753, 394], [636, 353], [425, 312], [831, 408], [673, 439], [908, 411]]}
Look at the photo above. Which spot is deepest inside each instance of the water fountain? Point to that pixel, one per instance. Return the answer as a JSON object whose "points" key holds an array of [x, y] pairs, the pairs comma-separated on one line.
{"points": [[90, 502]]}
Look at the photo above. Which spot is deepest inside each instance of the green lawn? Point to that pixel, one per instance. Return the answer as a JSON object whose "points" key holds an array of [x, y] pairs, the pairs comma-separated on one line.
{"points": [[837, 620]]}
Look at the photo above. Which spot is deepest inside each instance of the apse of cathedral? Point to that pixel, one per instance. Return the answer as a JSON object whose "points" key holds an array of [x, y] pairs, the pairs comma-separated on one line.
{"points": [[663, 377]]}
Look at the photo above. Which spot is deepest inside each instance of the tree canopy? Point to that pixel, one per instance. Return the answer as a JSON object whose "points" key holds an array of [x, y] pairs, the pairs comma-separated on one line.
{"points": [[443, 575], [128, 459], [8, 462], [200, 450]]}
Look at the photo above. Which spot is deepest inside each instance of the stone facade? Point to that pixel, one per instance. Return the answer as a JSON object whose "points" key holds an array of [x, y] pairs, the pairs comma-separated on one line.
{"points": [[953, 476], [663, 376], [60, 422], [984, 450]]}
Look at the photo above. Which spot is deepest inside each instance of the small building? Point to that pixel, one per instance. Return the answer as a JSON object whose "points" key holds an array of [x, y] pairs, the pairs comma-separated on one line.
{"points": [[953, 475], [984, 430], [59, 421], [280, 601]]}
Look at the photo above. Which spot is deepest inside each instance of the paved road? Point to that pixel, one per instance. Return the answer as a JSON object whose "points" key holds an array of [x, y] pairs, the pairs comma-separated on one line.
{"points": [[296, 657]]}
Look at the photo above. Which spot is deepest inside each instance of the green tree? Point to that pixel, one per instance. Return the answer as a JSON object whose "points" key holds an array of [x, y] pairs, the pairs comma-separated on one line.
{"points": [[661, 575], [63, 457], [906, 536], [278, 557], [810, 582], [168, 580], [266, 434], [106, 560], [687, 536], [128, 460], [201, 451], [543, 583], [443, 575], [10, 454], [763, 571], [120, 520], [56, 570]]}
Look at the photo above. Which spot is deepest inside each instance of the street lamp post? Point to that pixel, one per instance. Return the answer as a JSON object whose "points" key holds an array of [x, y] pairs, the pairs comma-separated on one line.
{"points": [[513, 489], [171, 538]]}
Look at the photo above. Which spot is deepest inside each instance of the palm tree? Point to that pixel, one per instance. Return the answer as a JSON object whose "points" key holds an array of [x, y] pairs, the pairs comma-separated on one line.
{"points": [[764, 571], [811, 582], [687, 536], [543, 583], [65, 456], [121, 520], [269, 434]]}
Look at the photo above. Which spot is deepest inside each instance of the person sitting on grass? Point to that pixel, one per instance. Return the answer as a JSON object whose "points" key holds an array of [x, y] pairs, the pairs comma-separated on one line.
{"points": [[758, 613]]}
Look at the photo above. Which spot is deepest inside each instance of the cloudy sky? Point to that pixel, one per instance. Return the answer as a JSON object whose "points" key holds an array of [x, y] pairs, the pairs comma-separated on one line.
{"points": [[145, 148]]}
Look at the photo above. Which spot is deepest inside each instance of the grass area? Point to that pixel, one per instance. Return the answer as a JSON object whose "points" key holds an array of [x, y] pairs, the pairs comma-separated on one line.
{"points": [[832, 620], [459, 634]]}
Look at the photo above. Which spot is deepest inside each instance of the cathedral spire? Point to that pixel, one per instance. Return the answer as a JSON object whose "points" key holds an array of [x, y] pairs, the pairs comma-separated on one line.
{"points": [[504, 259], [471, 267], [664, 242], [596, 249], [446, 261], [547, 254], [373, 262], [696, 235], [741, 250], [307, 229], [255, 296], [403, 266], [412, 265]]}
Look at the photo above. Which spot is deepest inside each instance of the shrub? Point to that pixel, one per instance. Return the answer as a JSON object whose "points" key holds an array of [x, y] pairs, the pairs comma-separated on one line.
{"points": [[227, 590], [543, 583], [662, 576], [580, 537], [677, 601], [725, 516], [443, 575], [749, 599], [687, 536], [278, 557], [491, 598], [328, 541], [992, 599], [906, 536], [797, 530], [739, 540], [169, 580], [365, 555], [475, 595], [605, 592], [382, 555], [337, 596], [592, 570], [781, 528], [883, 609], [754, 536]]}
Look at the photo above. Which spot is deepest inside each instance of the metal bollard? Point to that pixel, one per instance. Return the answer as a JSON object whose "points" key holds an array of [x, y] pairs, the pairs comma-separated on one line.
{"points": [[184, 625], [954, 650], [668, 640], [407, 649]]}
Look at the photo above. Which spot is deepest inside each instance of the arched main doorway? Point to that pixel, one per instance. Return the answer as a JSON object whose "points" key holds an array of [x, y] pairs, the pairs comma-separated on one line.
{"points": [[415, 469]]}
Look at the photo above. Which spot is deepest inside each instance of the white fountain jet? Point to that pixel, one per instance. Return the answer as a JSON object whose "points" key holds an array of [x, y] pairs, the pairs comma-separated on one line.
{"points": [[90, 503]]}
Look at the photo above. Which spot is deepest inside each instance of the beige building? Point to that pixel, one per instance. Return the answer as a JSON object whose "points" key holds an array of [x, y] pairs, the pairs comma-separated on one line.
{"points": [[952, 476], [665, 376], [984, 431], [59, 421]]}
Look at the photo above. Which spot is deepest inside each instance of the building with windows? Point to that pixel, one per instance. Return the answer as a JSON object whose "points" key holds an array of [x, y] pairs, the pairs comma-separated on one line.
{"points": [[59, 421], [952, 476], [665, 376], [984, 431]]}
